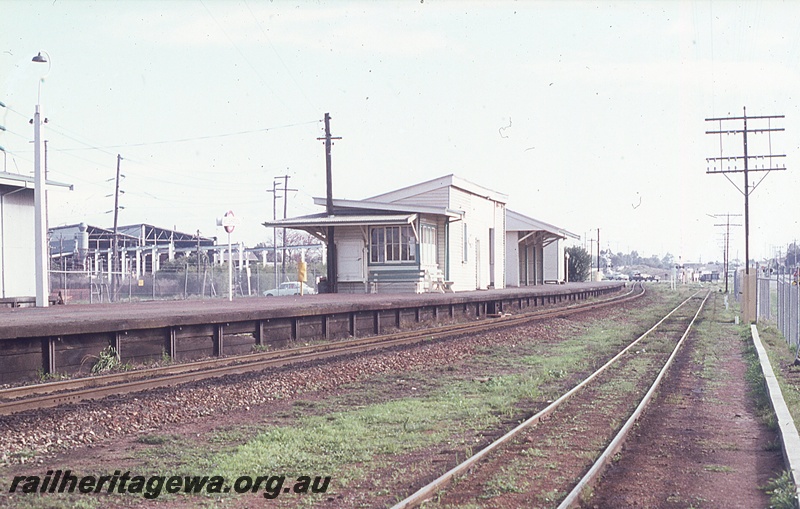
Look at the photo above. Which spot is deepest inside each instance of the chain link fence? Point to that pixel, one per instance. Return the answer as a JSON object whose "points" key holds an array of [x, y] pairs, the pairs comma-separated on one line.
{"points": [[788, 308], [176, 281], [778, 302]]}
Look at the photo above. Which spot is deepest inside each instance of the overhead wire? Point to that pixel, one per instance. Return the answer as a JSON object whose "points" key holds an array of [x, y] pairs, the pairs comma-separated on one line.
{"points": [[264, 33], [241, 53], [195, 138]]}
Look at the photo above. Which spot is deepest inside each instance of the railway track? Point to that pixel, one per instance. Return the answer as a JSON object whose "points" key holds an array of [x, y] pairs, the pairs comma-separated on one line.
{"points": [[33, 397], [575, 436]]}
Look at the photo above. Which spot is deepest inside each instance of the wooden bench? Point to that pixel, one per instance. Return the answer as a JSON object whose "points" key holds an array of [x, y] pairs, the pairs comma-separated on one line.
{"points": [[412, 275], [437, 283]]}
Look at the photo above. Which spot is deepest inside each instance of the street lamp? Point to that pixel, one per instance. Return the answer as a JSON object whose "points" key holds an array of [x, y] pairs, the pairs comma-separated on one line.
{"points": [[40, 228]]}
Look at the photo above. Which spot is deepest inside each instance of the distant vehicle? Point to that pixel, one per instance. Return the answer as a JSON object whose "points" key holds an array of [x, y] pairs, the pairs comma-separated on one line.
{"points": [[637, 276], [290, 288]]}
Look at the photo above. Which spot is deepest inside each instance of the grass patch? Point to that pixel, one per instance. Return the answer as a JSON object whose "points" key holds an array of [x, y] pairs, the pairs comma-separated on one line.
{"points": [[718, 468], [781, 491], [52, 501]]}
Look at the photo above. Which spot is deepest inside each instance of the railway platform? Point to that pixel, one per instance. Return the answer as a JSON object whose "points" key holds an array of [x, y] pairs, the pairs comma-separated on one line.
{"points": [[64, 339]]}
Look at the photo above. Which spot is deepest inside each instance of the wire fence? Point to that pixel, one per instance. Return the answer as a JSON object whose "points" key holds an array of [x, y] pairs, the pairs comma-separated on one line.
{"points": [[185, 281], [778, 302]]}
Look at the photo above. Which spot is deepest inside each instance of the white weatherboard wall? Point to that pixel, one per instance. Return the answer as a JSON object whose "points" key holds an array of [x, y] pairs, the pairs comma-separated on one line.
{"points": [[17, 271], [470, 270]]}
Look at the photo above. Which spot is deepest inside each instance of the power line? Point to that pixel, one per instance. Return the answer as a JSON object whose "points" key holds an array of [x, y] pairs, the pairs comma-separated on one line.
{"points": [[264, 33], [745, 159], [196, 138], [241, 53]]}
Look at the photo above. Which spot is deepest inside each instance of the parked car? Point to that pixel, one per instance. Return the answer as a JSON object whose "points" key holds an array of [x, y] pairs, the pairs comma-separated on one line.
{"points": [[290, 288]]}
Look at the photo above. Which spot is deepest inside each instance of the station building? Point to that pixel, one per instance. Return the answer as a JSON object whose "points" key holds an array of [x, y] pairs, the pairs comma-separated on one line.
{"points": [[443, 234]]}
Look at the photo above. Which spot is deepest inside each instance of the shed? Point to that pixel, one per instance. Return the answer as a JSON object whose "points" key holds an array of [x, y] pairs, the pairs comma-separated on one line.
{"points": [[534, 253], [17, 270]]}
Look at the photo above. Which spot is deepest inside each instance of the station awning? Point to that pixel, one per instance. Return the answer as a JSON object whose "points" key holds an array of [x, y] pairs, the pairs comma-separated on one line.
{"points": [[531, 229], [317, 224]]}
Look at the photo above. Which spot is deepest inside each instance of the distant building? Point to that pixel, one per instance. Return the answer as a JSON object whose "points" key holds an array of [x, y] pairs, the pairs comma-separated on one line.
{"points": [[142, 247]]}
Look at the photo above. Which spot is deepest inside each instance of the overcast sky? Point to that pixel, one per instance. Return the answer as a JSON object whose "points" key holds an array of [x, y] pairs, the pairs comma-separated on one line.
{"points": [[586, 114]]}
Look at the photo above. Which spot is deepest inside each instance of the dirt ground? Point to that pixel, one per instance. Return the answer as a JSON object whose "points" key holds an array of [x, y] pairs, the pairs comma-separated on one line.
{"points": [[700, 444]]}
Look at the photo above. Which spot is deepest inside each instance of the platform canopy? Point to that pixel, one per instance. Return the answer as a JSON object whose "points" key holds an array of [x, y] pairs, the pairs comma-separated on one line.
{"points": [[317, 224], [360, 213], [529, 227]]}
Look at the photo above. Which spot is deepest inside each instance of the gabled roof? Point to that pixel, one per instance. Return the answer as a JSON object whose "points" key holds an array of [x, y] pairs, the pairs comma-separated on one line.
{"points": [[522, 223], [438, 183], [341, 206]]}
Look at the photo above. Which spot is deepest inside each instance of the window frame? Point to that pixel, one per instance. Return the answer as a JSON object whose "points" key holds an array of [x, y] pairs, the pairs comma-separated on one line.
{"points": [[392, 245]]}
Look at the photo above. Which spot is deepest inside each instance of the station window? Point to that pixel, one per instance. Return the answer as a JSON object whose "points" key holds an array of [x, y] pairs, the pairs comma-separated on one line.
{"points": [[392, 244]]}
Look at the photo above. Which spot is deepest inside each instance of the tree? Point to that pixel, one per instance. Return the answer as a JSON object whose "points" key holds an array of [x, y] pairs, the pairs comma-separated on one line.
{"points": [[580, 263]]}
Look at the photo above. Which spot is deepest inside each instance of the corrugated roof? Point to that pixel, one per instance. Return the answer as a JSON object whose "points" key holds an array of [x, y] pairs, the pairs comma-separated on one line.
{"points": [[389, 207]]}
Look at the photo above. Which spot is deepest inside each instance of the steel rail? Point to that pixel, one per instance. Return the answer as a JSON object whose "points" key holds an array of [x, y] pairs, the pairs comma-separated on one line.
{"points": [[427, 491], [73, 391], [573, 498]]}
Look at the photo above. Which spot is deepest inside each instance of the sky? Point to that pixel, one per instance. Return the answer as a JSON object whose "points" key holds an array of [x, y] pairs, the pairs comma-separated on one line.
{"points": [[586, 114]]}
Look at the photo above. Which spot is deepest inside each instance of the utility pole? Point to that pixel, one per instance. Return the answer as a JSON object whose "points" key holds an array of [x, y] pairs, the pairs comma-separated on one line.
{"points": [[749, 290], [726, 244], [331, 247], [274, 192], [285, 207], [115, 277], [598, 253], [199, 283]]}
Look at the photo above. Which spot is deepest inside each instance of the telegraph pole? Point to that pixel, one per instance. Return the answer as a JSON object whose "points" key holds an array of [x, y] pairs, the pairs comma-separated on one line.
{"points": [[726, 245], [115, 247], [285, 207], [331, 246], [746, 160], [598, 253], [274, 192], [748, 304]]}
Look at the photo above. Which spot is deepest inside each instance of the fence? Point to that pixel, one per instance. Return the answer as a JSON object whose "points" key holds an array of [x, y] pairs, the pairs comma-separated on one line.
{"points": [[176, 282], [778, 301]]}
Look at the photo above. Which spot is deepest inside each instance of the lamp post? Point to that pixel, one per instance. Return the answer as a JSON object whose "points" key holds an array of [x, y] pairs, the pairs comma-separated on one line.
{"points": [[40, 229], [566, 268]]}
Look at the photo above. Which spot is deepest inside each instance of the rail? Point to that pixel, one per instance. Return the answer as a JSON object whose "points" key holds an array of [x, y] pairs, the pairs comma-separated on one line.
{"points": [[19, 399], [429, 490]]}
